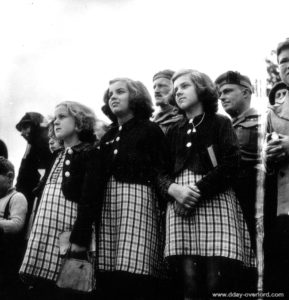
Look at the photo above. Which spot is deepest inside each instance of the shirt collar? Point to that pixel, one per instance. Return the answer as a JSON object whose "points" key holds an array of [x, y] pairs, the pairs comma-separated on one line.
{"points": [[249, 112], [79, 147], [168, 113], [184, 121]]}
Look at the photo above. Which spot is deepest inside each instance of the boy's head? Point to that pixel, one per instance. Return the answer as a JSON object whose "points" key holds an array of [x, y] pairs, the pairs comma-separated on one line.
{"points": [[6, 176]]}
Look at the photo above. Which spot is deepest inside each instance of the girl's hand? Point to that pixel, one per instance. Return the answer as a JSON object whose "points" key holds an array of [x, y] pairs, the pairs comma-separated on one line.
{"points": [[185, 195], [181, 210]]}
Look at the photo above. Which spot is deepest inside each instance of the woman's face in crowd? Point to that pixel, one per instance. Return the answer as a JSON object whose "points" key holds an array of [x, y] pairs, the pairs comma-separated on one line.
{"points": [[119, 98], [26, 132], [280, 96], [185, 91], [54, 145], [64, 124]]}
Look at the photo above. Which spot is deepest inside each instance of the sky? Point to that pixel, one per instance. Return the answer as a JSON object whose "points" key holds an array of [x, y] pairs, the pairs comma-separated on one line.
{"points": [[56, 50]]}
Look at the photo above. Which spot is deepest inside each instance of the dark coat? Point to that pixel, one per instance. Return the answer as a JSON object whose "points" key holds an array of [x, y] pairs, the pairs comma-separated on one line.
{"points": [[138, 153], [38, 156], [191, 151], [82, 184]]}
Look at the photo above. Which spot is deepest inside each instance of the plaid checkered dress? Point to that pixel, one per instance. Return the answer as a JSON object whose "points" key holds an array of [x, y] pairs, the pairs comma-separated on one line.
{"points": [[54, 216], [215, 228], [131, 236]]}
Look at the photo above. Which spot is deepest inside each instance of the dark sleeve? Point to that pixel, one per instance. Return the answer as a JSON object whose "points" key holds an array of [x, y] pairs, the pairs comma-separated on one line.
{"points": [[37, 192], [89, 200], [161, 161], [221, 177], [28, 176]]}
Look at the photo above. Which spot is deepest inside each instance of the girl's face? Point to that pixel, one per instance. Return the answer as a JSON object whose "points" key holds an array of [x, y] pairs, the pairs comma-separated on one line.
{"points": [[185, 91], [119, 99], [64, 124]]}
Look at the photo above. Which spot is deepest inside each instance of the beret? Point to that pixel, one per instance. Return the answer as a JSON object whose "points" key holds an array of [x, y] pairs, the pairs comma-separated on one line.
{"points": [[276, 87], [283, 45], [168, 74], [232, 77]]}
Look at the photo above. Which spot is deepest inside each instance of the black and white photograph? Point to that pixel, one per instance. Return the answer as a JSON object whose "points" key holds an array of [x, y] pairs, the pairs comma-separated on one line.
{"points": [[144, 149]]}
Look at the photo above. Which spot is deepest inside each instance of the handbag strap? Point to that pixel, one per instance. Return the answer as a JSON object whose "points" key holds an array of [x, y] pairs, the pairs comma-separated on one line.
{"points": [[6, 211], [69, 255]]}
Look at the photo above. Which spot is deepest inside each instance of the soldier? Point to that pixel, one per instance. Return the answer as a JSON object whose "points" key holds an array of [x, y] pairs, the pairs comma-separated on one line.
{"points": [[235, 91], [163, 89]]}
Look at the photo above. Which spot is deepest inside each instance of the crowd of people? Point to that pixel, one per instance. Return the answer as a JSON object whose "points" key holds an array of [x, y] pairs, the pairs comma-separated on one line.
{"points": [[165, 203]]}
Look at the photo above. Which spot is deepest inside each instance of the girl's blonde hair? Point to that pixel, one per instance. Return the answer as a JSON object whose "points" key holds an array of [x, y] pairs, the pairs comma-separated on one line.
{"points": [[84, 117]]}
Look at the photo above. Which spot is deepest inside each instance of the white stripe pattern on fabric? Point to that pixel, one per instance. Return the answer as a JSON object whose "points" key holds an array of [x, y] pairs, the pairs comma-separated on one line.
{"points": [[54, 216], [216, 227], [131, 235]]}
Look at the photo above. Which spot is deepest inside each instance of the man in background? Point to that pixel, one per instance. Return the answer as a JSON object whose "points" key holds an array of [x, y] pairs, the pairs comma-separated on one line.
{"points": [[235, 91], [168, 113], [277, 162]]}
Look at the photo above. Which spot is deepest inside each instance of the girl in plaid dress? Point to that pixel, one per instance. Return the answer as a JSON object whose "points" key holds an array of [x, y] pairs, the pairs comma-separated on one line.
{"points": [[134, 156], [67, 201], [206, 237]]}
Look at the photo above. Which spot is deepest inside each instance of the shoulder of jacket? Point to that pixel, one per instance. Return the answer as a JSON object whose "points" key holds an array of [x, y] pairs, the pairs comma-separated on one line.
{"points": [[17, 196], [221, 118]]}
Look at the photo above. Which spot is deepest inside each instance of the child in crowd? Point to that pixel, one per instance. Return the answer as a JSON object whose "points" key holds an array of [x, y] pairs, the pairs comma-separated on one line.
{"points": [[67, 202], [13, 210]]}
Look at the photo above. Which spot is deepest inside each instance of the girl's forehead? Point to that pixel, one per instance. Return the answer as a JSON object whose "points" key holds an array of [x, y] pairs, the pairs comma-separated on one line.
{"points": [[183, 78], [61, 109], [117, 85]]}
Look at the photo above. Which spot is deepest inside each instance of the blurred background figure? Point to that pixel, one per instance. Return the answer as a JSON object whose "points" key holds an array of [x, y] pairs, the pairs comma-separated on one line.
{"points": [[276, 249], [168, 113], [55, 146], [37, 157], [101, 128], [3, 149], [277, 94], [13, 209]]}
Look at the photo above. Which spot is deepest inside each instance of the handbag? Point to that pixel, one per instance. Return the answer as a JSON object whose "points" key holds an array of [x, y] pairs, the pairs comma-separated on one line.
{"points": [[76, 275]]}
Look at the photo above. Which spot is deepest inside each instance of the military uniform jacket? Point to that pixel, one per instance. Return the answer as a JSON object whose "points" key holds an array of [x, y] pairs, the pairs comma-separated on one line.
{"points": [[247, 128]]}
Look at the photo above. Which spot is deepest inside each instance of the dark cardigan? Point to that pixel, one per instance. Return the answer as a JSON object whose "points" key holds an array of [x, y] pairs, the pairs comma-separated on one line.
{"points": [[138, 153], [215, 130], [82, 184]]}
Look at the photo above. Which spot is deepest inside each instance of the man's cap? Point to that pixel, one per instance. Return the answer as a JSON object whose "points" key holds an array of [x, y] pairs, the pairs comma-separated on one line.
{"points": [[232, 77], [283, 45], [276, 87], [168, 74], [30, 118]]}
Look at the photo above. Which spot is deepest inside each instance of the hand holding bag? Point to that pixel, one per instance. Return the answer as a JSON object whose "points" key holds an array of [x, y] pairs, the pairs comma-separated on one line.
{"points": [[76, 274]]}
